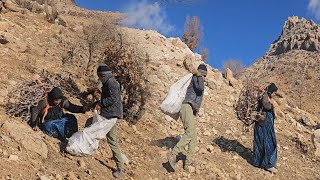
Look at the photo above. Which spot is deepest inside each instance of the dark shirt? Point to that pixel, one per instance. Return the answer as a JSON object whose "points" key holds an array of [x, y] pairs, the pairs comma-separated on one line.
{"points": [[111, 103], [195, 93], [54, 112]]}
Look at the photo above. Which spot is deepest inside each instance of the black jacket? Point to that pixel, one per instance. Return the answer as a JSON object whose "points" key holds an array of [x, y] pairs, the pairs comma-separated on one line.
{"points": [[111, 103], [195, 93], [55, 112]]}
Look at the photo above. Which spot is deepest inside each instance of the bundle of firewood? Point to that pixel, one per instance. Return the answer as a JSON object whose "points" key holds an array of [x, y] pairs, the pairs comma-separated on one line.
{"points": [[247, 103], [29, 92]]}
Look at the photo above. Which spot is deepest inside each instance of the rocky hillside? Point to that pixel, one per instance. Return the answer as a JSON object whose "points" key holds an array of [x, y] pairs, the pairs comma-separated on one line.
{"points": [[31, 43], [297, 34], [293, 62]]}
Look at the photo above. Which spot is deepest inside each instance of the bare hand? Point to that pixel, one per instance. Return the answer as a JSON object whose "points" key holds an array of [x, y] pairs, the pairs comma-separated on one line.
{"points": [[98, 107]]}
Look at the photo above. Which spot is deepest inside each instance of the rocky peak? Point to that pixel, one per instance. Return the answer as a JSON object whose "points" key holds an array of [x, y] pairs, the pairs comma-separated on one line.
{"points": [[297, 34]]}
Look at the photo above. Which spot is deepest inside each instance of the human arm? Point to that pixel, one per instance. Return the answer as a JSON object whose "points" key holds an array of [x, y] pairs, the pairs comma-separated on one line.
{"points": [[35, 111], [73, 108], [198, 84], [266, 102]]}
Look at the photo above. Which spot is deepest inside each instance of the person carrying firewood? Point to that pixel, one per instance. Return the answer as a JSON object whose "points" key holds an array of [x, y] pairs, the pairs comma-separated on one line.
{"points": [[265, 142]]}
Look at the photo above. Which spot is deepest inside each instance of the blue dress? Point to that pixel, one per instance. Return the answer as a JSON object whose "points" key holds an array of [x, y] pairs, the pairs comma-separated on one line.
{"points": [[265, 144]]}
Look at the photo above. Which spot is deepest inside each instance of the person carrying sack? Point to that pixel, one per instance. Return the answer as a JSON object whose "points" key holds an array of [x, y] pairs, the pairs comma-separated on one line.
{"points": [[111, 107], [48, 115], [189, 109]]}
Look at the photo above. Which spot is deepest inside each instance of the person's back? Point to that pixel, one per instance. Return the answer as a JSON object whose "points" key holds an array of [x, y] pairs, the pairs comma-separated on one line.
{"points": [[195, 92], [111, 99]]}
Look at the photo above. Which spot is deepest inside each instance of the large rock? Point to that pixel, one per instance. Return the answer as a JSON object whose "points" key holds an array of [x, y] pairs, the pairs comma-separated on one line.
{"points": [[228, 75], [316, 141], [1, 6], [165, 69], [188, 63], [215, 85], [178, 43], [9, 5], [153, 79], [297, 34], [27, 137]]}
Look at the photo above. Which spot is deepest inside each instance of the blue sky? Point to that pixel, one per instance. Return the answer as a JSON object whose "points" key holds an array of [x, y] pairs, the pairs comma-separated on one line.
{"points": [[233, 29]]}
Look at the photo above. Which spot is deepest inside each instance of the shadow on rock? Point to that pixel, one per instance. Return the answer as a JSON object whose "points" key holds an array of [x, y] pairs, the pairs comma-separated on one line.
{"points": [[168, 142], [228, 145], [105, 164]]}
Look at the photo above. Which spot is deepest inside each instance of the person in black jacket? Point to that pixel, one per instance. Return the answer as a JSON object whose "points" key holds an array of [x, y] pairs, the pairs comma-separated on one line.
{"points": [[48, 115], [190, 108], [111, 107]]}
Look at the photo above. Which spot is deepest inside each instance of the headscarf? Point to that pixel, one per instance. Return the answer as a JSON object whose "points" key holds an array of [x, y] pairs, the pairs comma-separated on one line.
{"points": [[271, 88]]}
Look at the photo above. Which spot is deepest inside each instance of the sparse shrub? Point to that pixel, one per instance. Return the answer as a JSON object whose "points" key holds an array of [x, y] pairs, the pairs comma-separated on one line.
{"points": [[106, 45], [204, 54], [192, 32]]}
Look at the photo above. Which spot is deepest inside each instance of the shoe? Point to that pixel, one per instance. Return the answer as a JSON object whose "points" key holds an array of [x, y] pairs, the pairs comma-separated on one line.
{"points": [[272, 170], [118, 173], [172, 160]]}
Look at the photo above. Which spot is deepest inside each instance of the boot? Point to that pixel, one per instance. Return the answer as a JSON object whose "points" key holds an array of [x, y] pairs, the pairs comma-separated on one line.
{"points": [[119, 173]]}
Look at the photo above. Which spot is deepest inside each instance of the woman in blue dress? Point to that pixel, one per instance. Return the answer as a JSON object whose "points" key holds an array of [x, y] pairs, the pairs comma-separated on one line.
{"points": [[265, 142]]}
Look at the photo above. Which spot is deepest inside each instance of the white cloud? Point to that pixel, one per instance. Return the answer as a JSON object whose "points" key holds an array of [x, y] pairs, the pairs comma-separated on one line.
{"points": [[143, 15], [314, 7]]}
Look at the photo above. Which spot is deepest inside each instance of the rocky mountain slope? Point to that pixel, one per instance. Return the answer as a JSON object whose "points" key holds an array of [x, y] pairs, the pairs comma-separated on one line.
{"points": [[293, 62], [31, 44]]}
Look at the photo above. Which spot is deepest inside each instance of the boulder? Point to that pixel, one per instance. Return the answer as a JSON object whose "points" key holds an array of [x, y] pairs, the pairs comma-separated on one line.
{"points": [[26, 137], [153, 79], [316, 141], [215, 85], [1, 6], [165, 69], [9, 5], [228, 74]]}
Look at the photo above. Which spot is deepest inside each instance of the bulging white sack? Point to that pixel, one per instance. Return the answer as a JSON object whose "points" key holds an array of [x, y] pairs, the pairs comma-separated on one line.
{"points": [[85, 142], [177, 92]]}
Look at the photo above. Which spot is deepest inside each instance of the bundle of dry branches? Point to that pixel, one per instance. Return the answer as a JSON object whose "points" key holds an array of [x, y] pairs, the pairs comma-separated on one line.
{"points": [[107, 43], [28, 93], [247, 104]]}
